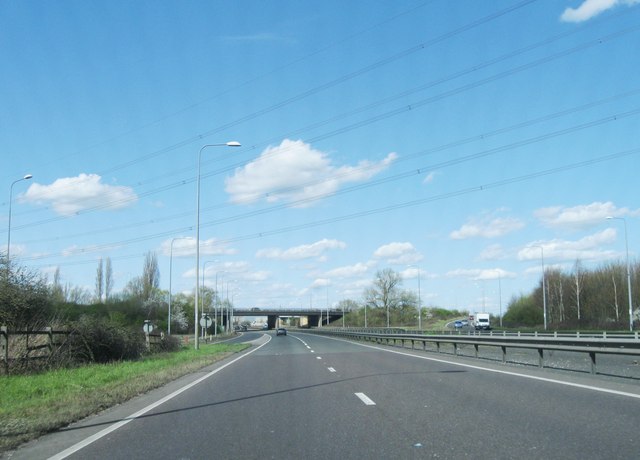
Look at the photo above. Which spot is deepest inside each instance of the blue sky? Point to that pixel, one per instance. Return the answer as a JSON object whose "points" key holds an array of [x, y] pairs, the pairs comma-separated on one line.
{"points": [[449, 139]]}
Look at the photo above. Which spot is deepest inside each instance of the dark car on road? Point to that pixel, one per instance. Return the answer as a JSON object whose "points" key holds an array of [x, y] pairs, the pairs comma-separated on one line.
{"points": [[281, 331]]}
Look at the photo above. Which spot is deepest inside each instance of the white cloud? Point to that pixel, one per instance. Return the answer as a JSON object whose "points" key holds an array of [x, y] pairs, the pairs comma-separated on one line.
{"points": [[349, 271], [186, 246], [398, 253], [487, 226], [413, 272], [587, 248], [478, 274], [71, 195], [295, 173], [580, 217], [320, 283], [591, 8], [305, 251]]}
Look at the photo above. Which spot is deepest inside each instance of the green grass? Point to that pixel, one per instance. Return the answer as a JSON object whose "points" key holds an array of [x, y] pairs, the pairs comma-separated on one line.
{"points": [[31, 405]]}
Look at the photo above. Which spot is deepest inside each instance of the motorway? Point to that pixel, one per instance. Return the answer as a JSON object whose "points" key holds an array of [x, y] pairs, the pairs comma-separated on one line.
{"points": [[304, 396]]}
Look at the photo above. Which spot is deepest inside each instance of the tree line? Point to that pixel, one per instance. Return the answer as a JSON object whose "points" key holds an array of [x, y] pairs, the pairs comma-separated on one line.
{"points": [[575, 298], [579, 298]]}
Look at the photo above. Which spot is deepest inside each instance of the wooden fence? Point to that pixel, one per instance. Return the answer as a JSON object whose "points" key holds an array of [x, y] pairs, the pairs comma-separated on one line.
{"points": [[28, 345], [25, 346]]}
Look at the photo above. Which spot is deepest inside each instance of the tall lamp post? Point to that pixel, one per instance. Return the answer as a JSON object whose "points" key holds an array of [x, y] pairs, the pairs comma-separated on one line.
{"points": [[170, 277], [26, 177], [195, 307], [626, 243], [544, 290]]}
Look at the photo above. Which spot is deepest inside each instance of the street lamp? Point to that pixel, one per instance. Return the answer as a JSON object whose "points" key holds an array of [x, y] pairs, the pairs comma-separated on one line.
{"points": [[170, 277], [544, 291], [195, 324], [626, 243], [26, 177]]}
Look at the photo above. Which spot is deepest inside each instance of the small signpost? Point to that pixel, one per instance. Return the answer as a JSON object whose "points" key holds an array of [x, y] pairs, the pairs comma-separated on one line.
{"points": [[147, 328], [205, 323]]}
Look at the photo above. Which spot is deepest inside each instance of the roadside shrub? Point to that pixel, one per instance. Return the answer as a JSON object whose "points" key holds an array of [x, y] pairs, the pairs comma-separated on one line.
{"points": [[168, 343], [99, 340]]}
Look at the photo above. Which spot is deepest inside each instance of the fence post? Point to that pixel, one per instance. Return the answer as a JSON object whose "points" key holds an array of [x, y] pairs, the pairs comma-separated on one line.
{"points": [[49, 332], [4, 347]]}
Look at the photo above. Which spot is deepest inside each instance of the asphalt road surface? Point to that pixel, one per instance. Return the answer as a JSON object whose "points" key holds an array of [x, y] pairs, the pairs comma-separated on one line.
{"points": [[305, 396]]}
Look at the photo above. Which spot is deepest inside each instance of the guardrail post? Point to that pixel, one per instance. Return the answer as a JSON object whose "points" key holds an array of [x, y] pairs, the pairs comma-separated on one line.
{"points": [[592, 355], [438, 346], [540, 358], [476, 348], [504, 354], [455, 349]]}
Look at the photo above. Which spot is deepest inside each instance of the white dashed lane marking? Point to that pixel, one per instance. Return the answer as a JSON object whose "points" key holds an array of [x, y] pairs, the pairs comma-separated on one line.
{"points": [[365, 399]]}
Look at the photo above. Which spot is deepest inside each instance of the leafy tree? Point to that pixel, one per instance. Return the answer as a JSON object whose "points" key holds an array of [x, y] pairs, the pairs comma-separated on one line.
{"points": [[99, 282], [24, 297], [150, 275], [108, 280], [57, 292], [523, 311]]}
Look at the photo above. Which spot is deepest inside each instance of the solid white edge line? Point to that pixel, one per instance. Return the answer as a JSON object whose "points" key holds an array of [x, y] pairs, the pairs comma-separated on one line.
{"points": [[365, 399], [93, 438], [498, 371]]}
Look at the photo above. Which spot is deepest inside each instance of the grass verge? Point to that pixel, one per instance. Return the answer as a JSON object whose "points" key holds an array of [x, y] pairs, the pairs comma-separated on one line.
{"points": [[32, 405]]}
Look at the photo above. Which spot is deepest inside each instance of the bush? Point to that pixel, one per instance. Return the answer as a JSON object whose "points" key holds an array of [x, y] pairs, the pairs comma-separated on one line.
{"points": [[100, 341], [168, 343]]}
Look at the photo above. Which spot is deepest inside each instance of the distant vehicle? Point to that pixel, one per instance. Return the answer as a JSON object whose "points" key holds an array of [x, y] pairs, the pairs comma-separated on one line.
{"points": [[281, 331], [464, 322], [481, 321], [457, 324], [265, 326], [243, 328]]}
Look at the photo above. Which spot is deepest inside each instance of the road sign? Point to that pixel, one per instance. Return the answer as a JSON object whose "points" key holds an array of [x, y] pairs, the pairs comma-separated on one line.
{"points": [[148, 327], [206, 321]]}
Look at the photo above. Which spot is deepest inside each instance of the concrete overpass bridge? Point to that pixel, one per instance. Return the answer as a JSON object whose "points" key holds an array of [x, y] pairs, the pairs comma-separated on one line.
{"points": [[309, 317]]}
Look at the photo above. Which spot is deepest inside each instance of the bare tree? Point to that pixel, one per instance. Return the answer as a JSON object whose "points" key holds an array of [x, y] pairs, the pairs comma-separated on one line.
{"points": [[385, 293], [615, 296], [578, 276]]}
